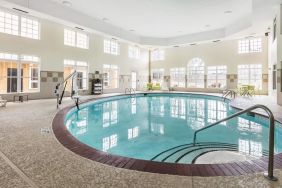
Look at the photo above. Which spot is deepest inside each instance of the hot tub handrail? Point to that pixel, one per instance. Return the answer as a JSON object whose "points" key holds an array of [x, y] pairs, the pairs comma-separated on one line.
{"points": [[269, 173]]}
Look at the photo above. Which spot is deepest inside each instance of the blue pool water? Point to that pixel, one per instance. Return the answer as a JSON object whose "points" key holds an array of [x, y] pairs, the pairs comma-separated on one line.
{"points": [[160, 127]]}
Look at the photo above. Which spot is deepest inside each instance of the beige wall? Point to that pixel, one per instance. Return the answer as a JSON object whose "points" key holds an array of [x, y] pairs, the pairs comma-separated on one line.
{"points": [[275, 58], [221, 53], [52, 52]]}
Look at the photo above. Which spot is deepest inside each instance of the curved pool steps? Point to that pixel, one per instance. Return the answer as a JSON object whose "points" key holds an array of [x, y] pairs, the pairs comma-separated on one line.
{"points": [[188, 153]]}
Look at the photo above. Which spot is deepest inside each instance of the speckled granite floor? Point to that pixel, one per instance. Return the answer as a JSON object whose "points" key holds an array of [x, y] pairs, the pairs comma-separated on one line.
{"points": [[46, 163]]}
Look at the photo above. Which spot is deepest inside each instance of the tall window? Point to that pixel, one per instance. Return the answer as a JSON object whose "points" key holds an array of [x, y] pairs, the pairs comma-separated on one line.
{"points": [[82, 73], [250, 45], [76, 39], [216, 77], [111, 76], [111, 47], [29, 27], [133, 52], [196, 73], [177, 77], [250, 74], [19, 73], [157, 55], [157, 76]]}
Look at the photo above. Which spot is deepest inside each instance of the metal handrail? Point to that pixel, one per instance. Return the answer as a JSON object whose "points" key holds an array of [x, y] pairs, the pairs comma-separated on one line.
{"points": [[127, 89], [229, 92], [269, 173], [130, 90]]}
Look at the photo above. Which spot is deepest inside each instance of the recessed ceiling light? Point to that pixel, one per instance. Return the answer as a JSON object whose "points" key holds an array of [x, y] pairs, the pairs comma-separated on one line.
{"points": [[216, 40], [193, 44], [105, 19], [131, 30], [228, 12], [67, 3], [176, 46], [207, 25]]}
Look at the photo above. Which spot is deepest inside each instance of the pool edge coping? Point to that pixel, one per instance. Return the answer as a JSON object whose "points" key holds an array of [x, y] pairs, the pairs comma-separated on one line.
{"points": [[203, 170]]}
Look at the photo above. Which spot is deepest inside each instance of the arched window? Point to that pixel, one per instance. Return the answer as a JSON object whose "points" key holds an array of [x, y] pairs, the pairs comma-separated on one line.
{"points": [[196, 73]]}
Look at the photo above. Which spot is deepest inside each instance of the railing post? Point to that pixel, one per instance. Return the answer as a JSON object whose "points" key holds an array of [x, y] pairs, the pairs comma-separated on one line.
{"points": [[269, 173]]}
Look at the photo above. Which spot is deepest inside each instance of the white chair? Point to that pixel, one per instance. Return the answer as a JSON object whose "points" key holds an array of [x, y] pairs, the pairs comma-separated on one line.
{"points": [[3, 102]]}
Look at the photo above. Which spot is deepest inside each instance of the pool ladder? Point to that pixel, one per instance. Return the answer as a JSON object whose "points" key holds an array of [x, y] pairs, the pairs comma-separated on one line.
{"points": [[269, 173], [131, 91], [228, 92]]}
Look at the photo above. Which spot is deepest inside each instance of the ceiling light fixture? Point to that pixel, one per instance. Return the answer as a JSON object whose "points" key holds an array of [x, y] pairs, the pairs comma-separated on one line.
{"points": [[228, 12], [216, 41], [193, 44], [67, 3], [105, 19], [131, 30], [176, 46], [207, 25]]}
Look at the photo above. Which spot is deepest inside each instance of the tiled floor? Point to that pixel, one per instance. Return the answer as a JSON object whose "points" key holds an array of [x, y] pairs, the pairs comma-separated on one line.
{"points": [[46, 163]]}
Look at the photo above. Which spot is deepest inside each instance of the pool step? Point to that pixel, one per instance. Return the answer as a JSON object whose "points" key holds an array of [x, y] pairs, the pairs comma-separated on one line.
{"points": [[188, 153]]}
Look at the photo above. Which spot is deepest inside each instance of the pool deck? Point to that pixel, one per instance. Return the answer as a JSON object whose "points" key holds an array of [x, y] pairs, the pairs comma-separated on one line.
{"points": [[32, 158]]}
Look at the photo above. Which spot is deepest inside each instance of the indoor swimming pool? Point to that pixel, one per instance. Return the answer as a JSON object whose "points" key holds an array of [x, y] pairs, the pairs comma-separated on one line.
{"points": [[160, 127]]}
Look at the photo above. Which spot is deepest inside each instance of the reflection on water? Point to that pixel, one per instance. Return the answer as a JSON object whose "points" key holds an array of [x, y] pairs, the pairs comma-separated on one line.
{"points": [[247, 125], [153, 124], [157, 128], [250, 147], [133, 133], [178, 108], [110, 113], [110, 142]]}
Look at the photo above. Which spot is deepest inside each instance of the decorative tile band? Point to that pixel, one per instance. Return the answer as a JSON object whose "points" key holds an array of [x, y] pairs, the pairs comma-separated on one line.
{"points": [[51, 76]]}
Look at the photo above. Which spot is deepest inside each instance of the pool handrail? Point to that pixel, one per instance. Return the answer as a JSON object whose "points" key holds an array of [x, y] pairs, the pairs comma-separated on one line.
{"points": [[130, 90], [269, 173], [228, 92]]}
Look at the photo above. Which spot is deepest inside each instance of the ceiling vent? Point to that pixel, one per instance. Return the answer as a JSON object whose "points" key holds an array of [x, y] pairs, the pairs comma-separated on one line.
{"points": [[79, 28], [20, 10]]}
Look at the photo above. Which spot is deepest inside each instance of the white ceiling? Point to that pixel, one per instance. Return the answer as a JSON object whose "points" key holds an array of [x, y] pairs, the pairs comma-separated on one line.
{"points": [[165, 18], [159, 22]]}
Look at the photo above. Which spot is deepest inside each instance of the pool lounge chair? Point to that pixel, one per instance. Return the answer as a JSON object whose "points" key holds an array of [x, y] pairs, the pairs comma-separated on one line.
{"points": [[3, 102]]}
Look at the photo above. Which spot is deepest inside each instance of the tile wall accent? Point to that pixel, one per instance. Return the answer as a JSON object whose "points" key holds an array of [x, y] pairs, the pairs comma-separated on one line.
{"points": [[51, 76]]}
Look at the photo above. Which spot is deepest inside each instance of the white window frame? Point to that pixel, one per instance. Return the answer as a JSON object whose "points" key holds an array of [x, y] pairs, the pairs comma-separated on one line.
{"points": [[111, 47], [250, 46], [250, 74], [133, 52], [31, 28], [74, 38], [19, 60], [158, 55], [177, 75], [109, 69], [217, 75], [196, 73], [157, 76], [13, 24], [75, 65]]}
